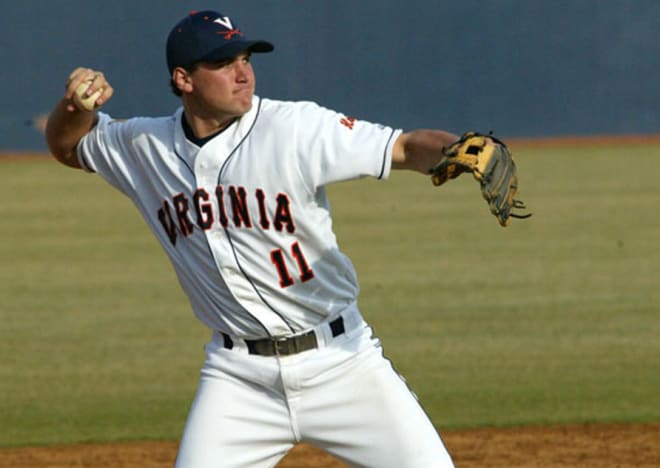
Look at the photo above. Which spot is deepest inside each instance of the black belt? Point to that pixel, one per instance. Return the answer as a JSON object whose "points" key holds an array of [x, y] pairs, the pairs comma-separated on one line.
{"points": [[289, 345]]}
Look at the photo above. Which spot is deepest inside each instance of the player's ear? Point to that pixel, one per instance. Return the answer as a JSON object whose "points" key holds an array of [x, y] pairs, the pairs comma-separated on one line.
{"points": [[181, 80]]}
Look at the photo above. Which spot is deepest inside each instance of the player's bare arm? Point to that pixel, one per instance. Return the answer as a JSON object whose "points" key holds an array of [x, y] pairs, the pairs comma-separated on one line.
{"points": [[70, 120], [420, 150]]}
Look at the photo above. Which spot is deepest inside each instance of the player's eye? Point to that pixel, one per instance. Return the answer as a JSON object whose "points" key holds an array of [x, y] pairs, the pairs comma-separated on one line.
{"points": [[221, 64]]}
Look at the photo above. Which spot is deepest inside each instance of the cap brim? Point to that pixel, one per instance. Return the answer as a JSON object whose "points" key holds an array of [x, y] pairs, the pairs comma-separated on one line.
{"points": [[229, 51]]}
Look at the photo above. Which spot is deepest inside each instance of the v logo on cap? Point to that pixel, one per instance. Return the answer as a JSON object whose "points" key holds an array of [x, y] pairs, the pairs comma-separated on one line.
{"points": [[224, 21]]}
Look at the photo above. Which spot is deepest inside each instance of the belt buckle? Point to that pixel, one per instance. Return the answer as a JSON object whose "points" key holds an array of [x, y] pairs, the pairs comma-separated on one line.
{"points": [[285, 346]]}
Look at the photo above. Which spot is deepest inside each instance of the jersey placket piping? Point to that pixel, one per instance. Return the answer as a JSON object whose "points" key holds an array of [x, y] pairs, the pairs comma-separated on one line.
{"points": [[231, 243]]}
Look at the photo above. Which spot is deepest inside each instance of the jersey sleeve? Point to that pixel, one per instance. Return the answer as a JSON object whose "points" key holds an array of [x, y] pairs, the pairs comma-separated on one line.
{"points": [[105, 150], [333, 147]]}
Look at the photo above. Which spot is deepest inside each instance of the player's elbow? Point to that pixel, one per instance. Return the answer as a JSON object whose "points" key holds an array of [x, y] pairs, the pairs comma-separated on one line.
{"points": [[407, 154], [70, 159], [61, 148], [64, 154], [401, 153]]}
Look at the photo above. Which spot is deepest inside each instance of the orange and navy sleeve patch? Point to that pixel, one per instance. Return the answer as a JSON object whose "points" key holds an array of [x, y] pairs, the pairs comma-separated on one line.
{"points": [[347, 122]]}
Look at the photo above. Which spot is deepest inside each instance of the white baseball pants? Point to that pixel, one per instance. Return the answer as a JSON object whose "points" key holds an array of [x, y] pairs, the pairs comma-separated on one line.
{"points": [[343, 397]]}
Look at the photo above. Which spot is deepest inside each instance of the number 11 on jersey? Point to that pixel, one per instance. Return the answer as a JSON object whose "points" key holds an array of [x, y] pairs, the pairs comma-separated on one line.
{"points": [[286, 280]]}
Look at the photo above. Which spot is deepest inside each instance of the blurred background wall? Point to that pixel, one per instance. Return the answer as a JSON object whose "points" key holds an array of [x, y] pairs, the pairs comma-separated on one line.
{"points": [[518, 67]]}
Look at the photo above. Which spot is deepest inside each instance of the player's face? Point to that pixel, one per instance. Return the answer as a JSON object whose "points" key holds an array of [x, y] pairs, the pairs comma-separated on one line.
{"points": [[224, 89]]}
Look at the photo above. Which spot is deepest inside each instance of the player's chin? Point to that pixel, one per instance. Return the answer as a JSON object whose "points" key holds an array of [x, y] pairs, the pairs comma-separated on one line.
{"points": [[244, 105]]}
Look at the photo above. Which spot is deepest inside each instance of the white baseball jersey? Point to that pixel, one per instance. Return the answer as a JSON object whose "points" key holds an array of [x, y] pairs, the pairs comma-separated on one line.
{"points": [[245, 219]]}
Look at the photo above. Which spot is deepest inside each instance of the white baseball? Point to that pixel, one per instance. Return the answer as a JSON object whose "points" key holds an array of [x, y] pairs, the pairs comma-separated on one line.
{"points": [[84, 102]]}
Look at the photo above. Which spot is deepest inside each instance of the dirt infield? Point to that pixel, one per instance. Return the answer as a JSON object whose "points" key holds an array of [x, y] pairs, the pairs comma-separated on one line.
{"points": [[586, 446]]}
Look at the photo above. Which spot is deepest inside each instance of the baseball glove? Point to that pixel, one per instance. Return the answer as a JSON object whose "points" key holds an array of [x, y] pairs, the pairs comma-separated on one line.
{"points": [[490, 162]]}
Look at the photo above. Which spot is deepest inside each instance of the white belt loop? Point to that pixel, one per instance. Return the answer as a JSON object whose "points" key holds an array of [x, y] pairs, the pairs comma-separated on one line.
{"points": [[236, 344], [352, 320]]}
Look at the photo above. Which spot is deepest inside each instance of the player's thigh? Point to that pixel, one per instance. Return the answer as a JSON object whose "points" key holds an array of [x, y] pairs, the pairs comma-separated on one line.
{"points": [[234, 424], [369, 417]]}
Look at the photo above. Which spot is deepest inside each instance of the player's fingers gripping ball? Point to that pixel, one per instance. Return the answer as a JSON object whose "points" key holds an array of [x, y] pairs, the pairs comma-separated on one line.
{"points": [[82, 100], [490, 162]]}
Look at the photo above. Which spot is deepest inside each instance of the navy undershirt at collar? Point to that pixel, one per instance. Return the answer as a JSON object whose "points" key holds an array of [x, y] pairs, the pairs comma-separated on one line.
{"points": [[190, 135]]}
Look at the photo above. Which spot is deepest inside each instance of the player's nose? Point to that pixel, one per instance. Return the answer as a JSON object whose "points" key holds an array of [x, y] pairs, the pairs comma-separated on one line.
{"points": [[243, 70]]}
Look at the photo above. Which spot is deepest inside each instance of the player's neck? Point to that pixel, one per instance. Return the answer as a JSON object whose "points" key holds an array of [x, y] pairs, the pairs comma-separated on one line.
{"points": [[203, 128], [199, 141]]}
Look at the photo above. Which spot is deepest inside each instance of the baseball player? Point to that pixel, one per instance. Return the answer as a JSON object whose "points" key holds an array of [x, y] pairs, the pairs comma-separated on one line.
{"points": [[233, 186]]}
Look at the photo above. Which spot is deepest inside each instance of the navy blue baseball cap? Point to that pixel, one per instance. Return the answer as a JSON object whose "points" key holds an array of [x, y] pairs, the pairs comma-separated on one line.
{"points": [[208, 36]]}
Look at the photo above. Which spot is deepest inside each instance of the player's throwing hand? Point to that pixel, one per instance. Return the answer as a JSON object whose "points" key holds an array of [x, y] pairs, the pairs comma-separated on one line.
{"points": [[87, 90]]}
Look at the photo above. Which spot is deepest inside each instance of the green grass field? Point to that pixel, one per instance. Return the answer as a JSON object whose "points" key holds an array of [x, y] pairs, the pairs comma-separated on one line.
{"points": [[552, 320]]}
